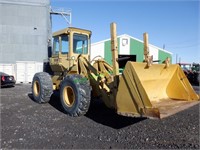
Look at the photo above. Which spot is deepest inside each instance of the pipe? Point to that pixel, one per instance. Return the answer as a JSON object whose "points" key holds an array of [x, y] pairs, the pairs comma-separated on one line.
{"points": [[114, 48]]}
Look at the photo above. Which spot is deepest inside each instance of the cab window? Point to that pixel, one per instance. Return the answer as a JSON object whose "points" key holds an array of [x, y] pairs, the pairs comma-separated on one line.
{"points": [[65, 44], [56, 45], [80, 44]]}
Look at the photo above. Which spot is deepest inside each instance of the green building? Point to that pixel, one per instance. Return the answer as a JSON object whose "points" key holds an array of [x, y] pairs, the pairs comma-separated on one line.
{"points": [[128, 45]]}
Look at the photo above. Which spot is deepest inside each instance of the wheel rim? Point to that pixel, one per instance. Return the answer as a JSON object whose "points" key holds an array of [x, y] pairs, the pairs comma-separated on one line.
{"points": [[68, 96], [36, 88]]}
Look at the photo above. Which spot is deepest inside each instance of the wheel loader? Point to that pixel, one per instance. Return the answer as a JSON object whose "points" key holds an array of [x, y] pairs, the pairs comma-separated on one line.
{"points": [[143, 89]]}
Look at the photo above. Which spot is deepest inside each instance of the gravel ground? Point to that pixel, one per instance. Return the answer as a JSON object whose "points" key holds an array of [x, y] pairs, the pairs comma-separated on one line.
{"points": [[28, 125]]}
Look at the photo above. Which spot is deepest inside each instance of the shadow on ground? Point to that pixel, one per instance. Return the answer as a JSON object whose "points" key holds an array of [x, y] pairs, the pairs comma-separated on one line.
{"points": [[54, 101], [97, 112], [103, 115], [7, 87]]}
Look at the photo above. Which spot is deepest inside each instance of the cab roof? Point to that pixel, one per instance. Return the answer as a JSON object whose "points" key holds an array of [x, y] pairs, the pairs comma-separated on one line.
{"points": [[71, 29]]}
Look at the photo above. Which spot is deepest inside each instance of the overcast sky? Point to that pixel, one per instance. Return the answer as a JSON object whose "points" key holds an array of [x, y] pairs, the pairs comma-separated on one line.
{"points": [[172, 25]]}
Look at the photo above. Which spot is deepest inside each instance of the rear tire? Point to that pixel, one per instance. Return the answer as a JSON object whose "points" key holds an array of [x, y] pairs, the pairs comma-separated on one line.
{"points": [[42, 87], [75, 95]]}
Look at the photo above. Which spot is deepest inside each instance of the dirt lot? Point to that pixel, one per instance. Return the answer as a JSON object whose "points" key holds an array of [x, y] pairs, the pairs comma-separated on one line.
{"points": [[28, 125]]}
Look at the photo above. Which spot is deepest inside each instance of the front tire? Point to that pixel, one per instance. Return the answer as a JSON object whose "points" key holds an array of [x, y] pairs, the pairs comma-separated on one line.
{"points": [[42, 87], [75, 95]]}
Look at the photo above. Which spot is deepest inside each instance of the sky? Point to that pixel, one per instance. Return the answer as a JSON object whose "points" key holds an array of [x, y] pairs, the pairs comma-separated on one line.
{"points": [[171, 24]]}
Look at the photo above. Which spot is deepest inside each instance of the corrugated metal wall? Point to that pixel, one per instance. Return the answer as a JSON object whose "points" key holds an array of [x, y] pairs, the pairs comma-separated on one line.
{"points": [[24, 30], [107, 51], [99, 48], [137, 48], [162, 55]]}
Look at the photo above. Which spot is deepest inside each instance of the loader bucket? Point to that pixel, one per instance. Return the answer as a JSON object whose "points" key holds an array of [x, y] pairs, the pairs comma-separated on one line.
{"points": [[154, 92]]}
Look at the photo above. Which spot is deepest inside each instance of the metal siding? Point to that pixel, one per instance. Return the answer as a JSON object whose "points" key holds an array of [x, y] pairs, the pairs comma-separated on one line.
{"points": [[97, 50], [153, 51], [24, 30], [25, 2], [25, 70], [137, 48], [119, 49], [163, 55], [107, 51], [8, 68]]}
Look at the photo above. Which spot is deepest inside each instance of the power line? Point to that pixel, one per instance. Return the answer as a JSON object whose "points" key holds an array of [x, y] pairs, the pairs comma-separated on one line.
{"points": [[183, 42], [185, 46]]}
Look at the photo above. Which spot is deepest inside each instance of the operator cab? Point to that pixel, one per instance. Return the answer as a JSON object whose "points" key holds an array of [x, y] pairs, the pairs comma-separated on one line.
{"points": [[68, 44]]}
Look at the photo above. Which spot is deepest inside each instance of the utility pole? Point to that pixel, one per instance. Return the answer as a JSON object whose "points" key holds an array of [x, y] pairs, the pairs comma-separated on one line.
{"points": [[179, 59]]}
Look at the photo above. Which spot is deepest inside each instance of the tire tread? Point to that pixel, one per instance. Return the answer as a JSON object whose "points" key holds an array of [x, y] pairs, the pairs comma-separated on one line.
{"points": [[46, 87]]}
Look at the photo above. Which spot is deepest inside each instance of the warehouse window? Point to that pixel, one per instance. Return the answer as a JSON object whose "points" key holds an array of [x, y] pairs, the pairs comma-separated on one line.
{"points": [[124, 42]]}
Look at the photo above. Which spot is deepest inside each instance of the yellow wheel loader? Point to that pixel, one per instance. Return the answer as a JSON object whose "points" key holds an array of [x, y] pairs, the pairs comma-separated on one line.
{"points": [[141, 90]]}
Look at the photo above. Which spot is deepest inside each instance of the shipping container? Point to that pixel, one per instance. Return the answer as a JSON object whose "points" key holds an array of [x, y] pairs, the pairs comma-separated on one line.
{"points": [[25, 70]]}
